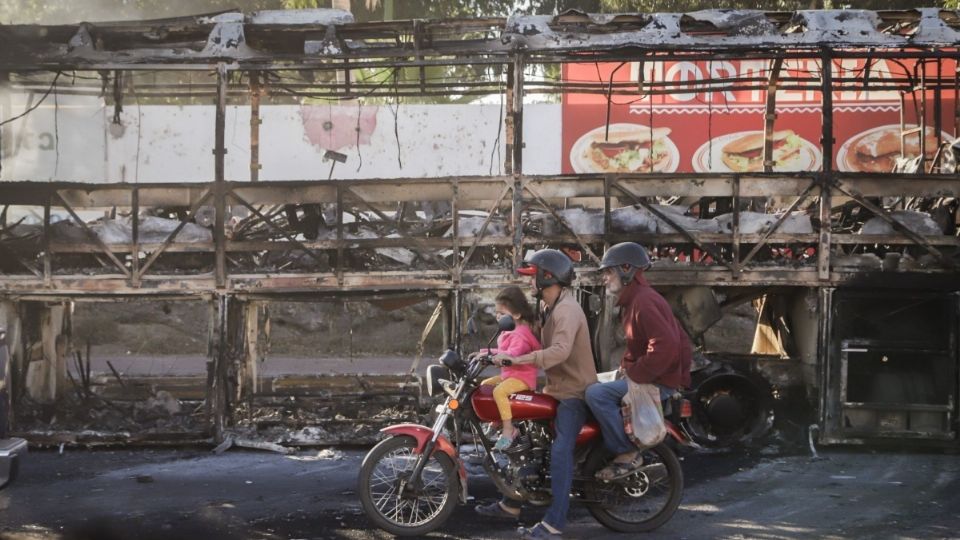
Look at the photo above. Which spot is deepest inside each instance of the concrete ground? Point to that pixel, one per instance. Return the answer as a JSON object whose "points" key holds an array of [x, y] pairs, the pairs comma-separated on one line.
{"points": [[147, 494]]}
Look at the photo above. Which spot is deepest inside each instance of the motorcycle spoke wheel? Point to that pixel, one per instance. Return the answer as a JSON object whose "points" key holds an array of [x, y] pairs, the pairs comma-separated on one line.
{"points": [[638, 497], [384, 473], [642, 501]]}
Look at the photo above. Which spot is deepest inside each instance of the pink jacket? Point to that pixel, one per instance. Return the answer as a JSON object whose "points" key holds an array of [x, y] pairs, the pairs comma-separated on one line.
{"points": [[516, 343]]}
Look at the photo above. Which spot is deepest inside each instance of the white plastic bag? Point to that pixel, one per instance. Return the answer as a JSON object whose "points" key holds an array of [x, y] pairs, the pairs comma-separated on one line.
{"points": [[643, 415]]}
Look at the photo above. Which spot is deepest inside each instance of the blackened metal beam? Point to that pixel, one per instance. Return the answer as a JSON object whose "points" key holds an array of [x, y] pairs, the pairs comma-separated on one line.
{"points": [[897, 226], [776, 225], [771, 115], [135, 248], [275, 227], [83, 225], [518, 66], [711, 250], [219, 191], [255, 121], [172, 236], [483, 228], [826, 143]]}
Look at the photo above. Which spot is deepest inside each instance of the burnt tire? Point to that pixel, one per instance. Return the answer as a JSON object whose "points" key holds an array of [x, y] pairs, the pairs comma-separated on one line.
{"points": [[400, 515], [635, 487]]}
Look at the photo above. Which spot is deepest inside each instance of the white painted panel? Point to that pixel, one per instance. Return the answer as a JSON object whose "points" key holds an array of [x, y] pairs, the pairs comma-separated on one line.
{"points": [[165, 143]]}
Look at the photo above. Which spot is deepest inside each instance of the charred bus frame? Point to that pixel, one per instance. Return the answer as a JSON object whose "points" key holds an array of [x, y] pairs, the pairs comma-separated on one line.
{"points": [[233, 46]]}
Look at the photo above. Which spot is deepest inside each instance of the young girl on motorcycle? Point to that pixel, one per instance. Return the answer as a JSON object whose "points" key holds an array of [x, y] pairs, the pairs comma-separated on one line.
{"points": [[511, 302]]}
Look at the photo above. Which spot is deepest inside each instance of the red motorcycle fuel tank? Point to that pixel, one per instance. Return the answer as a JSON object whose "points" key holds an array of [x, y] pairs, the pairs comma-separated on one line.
{"points": [[525, 405]]}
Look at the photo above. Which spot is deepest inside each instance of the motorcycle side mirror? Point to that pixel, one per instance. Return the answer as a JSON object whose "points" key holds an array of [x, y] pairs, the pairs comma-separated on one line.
{"points": [[506, 324]]}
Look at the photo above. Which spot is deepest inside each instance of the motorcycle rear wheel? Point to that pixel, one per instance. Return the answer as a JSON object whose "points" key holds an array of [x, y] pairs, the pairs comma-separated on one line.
{"points": [[621, 505], [385, 466]]}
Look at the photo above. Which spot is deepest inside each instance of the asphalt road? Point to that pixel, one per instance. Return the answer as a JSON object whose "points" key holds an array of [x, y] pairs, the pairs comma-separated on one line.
{"points": [[147, 494]]}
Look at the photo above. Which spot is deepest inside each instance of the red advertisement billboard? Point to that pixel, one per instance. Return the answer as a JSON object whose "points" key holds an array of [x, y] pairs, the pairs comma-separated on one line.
{"points": [[716, 129]]}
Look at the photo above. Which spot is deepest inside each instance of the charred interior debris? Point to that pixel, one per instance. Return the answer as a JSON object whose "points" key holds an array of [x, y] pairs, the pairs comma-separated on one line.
{"points": [[847, 282]]}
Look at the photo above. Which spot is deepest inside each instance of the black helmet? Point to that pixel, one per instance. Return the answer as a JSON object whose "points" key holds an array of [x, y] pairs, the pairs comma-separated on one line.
{"points": [[626, 254], [550, 266]]}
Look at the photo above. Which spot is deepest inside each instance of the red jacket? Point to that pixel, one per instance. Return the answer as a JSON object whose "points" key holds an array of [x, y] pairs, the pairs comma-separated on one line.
{"points": [[658, 350]]}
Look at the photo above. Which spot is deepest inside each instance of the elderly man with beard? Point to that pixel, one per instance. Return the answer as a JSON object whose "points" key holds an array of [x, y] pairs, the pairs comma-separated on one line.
{"points": [[658, 352]]}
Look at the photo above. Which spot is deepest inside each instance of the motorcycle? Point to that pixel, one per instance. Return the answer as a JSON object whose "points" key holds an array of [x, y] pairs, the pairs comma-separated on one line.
{"points": [[410, 482]]}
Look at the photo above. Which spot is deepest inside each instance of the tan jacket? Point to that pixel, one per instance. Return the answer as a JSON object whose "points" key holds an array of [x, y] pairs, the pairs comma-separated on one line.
{"points": [[566, 357]]}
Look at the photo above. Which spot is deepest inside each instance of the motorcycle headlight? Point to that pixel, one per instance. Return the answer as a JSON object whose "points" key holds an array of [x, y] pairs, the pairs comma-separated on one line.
{"points": [[434, 374]]}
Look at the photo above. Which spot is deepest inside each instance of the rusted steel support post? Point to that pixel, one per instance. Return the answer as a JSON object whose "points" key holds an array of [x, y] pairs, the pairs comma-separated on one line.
{"points": [[219, 191], [457, 305], [45, 380], [135, 247], [456, 269], [922, 121], [6, 111], [255, 121], [47, 232], [516, 219], [340, 245], [937, 109], [770, 117], [217, 389], [446, 319], [956, 102], [824, 348], [826, 179], [735, 263], [251, 346], [508, 127], [9, 355], [607, 221], [514, 159], [517, 115]]}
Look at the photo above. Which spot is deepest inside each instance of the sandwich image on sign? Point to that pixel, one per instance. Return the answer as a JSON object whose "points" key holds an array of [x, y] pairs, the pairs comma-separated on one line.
{"points": [[745, 153], [627, 148], [877, 149]]}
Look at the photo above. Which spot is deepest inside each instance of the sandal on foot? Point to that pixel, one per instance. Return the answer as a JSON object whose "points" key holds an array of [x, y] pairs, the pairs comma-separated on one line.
{"points": [[616, 471], [504, 442], [496, 510]]}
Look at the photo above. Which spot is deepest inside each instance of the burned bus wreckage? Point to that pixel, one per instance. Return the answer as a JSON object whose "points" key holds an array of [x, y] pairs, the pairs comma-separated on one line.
{"points": [[232, 162]]}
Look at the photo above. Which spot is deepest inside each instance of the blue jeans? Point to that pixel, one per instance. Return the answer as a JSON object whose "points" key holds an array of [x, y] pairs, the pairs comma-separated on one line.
{"points": [[571, 415], [604, 401]]}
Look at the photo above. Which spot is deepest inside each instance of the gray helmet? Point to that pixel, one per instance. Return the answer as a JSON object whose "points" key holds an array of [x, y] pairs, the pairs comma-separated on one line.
{"points": [[550, 266], [626, 254]]}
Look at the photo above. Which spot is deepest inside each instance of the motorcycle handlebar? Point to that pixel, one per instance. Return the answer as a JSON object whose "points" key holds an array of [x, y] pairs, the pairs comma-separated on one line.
{"points": [[487, 360]]}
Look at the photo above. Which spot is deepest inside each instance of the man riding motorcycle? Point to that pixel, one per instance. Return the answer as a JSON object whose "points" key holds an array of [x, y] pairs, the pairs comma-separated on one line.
{"points": [[567, 361], [410, 482]]}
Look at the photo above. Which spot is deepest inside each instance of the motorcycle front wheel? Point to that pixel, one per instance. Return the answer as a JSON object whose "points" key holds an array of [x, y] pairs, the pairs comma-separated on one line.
{"points": [[412, 512], [641, 502]]}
